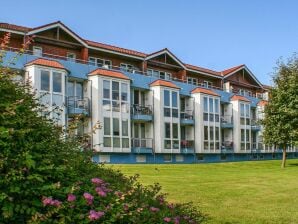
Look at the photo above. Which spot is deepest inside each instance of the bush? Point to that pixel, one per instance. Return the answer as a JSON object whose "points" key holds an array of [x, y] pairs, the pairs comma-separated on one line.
{"points": [[46, 178]]}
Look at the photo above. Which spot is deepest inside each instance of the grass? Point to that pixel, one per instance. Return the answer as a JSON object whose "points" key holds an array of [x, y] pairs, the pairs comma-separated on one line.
{"points": [[241, 192]]}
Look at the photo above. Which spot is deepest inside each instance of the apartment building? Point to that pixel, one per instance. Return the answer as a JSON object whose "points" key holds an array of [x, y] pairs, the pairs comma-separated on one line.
{"points": [[153, 108]]}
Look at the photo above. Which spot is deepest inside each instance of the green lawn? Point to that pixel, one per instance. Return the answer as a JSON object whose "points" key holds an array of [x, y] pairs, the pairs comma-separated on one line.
{"points": [[242, 192]]}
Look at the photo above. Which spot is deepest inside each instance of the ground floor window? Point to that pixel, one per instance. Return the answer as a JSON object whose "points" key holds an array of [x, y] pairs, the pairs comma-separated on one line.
{"points": [[200, 157], [179, 158], [140, 159], [167, 158], [223, 157]]}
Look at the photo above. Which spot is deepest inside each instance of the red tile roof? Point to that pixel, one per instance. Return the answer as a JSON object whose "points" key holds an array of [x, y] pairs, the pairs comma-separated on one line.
{"points": [[267, 87], [14, 27], [205, 70], [109, 73], [114, 48], [47, 63], [160, 82], [205, 91], [230, 70], [263, 103], [241, 98], [124, 50]]}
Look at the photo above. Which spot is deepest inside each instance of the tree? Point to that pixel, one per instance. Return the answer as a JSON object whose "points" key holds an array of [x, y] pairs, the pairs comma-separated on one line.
{"points": [[46, 178], [281, 113]]}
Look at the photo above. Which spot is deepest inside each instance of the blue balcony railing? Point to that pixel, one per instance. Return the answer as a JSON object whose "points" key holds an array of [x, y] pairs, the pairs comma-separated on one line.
{"points": [[141, 113], [187, 146], [142, 145]]}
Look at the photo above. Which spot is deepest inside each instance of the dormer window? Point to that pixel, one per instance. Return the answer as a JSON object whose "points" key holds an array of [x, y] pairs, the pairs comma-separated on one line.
{"points": [[193, 81], [126, 67], [37, 51], [71, 56], [159, 74], [99, 62], [207, 84]]}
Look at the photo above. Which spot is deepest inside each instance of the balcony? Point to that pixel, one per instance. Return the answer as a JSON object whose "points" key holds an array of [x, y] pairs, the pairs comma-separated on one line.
{"points": [[255, 126], [78, 105], [186, 117], [187, 146], [227, 147], [141, 113], [142, 145], [226, 121]]}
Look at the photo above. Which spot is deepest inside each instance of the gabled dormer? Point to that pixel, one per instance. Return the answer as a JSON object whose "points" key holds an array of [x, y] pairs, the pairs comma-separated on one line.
{"points": [[241, 80]]}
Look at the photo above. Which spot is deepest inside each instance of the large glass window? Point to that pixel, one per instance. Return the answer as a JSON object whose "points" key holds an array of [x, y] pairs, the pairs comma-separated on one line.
{"points": [[107, 126], [242, 110], [167, 98], [115, 90], [211, 105], [206, 133], [57, 82], [116, 129], [45, 80], [124, 91], [124, 127], [106, 89], [174, 99], [167, 130], [216, 105], [175, 130], [205, 104]]}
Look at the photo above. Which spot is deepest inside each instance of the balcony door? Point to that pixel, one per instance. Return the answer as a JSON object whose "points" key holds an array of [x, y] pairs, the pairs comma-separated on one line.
{"points": [[75, 89], [139, 97]]}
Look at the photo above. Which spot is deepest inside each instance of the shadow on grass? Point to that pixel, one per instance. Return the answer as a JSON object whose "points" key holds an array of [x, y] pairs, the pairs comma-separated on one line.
{"points": [[293, 164]]}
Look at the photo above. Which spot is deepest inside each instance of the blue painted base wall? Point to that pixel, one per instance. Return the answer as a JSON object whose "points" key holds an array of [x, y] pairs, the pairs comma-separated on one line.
{"points": [[131, 158]]}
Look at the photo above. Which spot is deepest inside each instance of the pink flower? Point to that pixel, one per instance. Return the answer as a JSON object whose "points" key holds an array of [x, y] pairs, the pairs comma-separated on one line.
{"points": [[177, 220], [167, 219], [49, 201], [56, 203], [125, 207], [71, 197], [89, 198], [97, 181], [93, 215], [153, 209]]}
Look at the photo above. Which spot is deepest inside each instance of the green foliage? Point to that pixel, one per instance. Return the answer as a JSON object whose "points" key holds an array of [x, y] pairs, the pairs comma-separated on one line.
{"points": [[39, 169], [281, 113]]}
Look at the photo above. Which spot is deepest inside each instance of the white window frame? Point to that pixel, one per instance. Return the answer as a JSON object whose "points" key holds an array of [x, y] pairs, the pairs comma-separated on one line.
{"points": [[71, 56], [127, 67], [207, 84], [193, 81], [168, 76], [215, 124], [37, 51], [104, 65]]}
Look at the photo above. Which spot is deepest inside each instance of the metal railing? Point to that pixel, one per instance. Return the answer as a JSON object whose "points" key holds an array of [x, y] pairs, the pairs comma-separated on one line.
{"points": [[187, 115], [227, 144], [78, 105], [226, 119], [142, 142], [141, 110], [187, 144]]}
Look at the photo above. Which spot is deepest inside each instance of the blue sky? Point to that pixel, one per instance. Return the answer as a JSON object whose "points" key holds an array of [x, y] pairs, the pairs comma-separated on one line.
{"points": [[216, 34]]}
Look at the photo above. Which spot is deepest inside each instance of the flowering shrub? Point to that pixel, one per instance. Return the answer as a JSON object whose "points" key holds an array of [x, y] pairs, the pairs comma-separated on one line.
{"points": [[46, 179]]}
